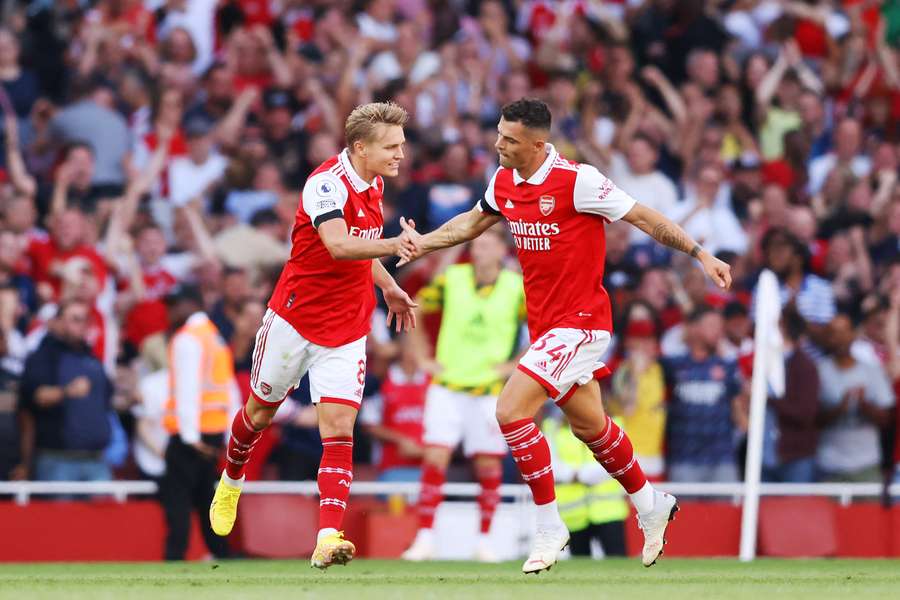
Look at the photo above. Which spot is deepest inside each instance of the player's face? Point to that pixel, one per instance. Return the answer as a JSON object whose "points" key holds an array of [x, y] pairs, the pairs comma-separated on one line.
{"points": [[384, 153], [516, 144]]}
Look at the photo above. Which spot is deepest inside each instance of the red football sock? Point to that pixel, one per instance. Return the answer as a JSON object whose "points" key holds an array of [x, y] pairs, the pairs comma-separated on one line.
{"points": [[240, 444], [532, 455], [613, 450], [335, 477], [490, 495], [431, 495]]}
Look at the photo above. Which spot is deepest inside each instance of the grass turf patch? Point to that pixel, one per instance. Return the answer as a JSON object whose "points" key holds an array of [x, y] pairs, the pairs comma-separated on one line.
{"points": [[671, 579]]}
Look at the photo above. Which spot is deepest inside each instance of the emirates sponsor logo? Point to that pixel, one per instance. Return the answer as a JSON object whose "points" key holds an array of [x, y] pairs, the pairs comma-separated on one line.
{"points": [[371, 233], [533, 236], [520, 227]]}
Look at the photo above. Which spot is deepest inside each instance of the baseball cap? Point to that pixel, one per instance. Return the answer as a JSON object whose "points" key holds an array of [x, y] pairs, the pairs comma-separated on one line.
{"points": [[197, 126], [184, 292], [278, 98], [311, 53]]}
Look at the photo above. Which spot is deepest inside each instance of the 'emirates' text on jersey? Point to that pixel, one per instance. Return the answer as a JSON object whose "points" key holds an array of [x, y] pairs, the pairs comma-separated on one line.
{"points": [[328, 301], [557, 220]]}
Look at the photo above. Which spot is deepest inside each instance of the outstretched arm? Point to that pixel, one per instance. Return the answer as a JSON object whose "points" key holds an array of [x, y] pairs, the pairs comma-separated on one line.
{"points": [[461, 228], [343, 246], [672, 235]]}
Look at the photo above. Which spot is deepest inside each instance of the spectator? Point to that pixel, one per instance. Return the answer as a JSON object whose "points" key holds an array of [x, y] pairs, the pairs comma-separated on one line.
{"points": [[192, 176], [394, 418], [856, 405], [813, 296], [792, 430], [846, 155], [235, 293], [11, 466], [20, 85], [202, 397], [636, 173], [150, 435], [92, 119], [711, 224], [66, 399], [639, 393], [589, 503], [704, 395], [455, 191]]}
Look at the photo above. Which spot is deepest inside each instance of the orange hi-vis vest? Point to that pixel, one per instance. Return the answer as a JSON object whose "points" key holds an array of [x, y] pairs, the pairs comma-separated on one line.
{"points": [[216, 374]]}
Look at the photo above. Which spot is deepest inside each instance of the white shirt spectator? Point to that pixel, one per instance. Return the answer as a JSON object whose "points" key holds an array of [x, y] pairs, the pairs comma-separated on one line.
{"points": [[154, 392], [820, 168], [715, 227], [650, 189], [187, 353], [188, 180], [198, 19], [382, 31], [851, 443]]}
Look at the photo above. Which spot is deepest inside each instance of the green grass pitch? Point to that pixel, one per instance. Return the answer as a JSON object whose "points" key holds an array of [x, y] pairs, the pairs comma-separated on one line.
{"points": [[671, 579]]}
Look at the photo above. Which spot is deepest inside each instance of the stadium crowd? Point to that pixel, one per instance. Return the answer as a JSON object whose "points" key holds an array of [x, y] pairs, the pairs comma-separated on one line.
{"points": [[149, 143]]}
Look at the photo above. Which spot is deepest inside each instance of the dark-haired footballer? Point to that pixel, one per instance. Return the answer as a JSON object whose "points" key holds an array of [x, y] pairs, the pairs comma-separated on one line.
{"points": [[557, 210]]}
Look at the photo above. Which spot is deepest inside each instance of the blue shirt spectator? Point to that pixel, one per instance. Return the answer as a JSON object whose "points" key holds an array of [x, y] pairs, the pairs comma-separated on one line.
{"points": [[66, 396], [702, 389]]}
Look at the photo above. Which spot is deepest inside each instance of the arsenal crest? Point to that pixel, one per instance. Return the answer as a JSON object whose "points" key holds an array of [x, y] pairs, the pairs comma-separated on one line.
{"points": [[546, 205]]}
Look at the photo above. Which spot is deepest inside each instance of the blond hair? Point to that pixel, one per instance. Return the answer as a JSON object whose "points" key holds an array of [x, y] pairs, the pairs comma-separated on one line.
{"points": [[362, 122]]}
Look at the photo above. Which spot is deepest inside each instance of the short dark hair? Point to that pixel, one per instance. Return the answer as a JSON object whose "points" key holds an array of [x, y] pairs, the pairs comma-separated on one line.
{"points": [[793, 324], [735, 308], [700, 311], [530, 112], [74, 145]]}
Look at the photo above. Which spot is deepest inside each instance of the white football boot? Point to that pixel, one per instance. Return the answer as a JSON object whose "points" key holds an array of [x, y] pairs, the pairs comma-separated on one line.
{"points": [[654, 524], [422, 547], [484, 552], [549, 541]]}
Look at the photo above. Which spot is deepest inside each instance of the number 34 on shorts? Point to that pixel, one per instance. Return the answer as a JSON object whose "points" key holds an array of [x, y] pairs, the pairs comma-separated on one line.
{"points": [[563, 359]]}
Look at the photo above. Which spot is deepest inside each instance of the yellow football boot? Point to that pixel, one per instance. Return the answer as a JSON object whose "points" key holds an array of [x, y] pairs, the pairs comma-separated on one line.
{"points": [[332, 549], [223, 509]]}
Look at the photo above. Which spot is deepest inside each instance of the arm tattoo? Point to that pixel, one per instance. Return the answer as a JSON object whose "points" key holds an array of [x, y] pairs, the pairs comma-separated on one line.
{"points": [[672, 237]]}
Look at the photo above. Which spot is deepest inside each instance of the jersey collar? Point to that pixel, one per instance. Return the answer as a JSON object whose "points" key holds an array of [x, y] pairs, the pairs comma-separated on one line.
{"points": [[358, 183], [541, 174]]}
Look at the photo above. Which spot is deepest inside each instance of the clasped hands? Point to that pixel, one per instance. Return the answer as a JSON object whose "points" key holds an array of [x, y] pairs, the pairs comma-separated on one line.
{"points": [[410, 242]]}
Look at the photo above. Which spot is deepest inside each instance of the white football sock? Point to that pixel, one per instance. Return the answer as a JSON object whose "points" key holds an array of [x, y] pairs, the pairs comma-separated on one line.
{"points": [[238, 483], [425, 535], [548, 514], [644, 499]]}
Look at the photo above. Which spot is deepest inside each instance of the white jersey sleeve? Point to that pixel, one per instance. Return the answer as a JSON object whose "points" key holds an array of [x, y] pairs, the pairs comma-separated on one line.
{"points": [[324, 196], [597, 194], [488, 204]]}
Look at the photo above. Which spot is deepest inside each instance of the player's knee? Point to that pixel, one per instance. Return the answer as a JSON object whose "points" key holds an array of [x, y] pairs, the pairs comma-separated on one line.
{"points": [[584, 433], [437, 457], [507, 413], [337, 424], [260, 416]]}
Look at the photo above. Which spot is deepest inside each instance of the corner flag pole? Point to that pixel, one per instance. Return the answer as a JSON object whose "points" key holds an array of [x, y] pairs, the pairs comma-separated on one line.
{"points": [[768, 370]]}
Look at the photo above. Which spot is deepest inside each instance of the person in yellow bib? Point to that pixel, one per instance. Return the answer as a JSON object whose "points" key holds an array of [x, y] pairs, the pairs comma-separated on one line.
{"points": [[203, 397], [591, 503], [483, 308]]}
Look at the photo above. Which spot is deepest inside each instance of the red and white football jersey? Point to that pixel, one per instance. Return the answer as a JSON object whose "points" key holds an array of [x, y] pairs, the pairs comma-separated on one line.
{"points": [[557, 219], [330, 302]]}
